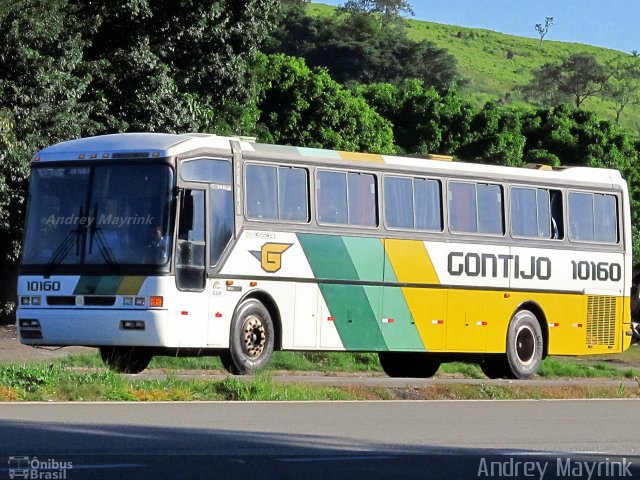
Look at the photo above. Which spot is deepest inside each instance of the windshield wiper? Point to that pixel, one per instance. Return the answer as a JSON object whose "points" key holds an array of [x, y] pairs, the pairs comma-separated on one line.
{"points": [[96, 232], [62, 250]]}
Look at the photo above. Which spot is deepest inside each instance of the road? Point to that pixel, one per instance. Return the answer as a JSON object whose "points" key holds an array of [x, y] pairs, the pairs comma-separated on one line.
{"points": [[448, 440]]}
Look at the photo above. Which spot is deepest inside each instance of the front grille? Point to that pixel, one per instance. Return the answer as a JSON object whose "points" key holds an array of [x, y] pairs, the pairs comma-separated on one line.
{"points": [[601, 321], [101, 301], [88, 300], [58, 300]]}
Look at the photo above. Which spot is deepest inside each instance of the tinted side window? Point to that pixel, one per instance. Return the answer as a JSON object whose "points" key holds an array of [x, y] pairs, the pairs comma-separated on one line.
{"points": [[293, 194], [361, 194], [413, 203], [347, 198], [476, 208], [398, 202], [261, 189], [277, 193], [332, 197], [531, 213], [593, 217], [463, 213], [206, 170]]}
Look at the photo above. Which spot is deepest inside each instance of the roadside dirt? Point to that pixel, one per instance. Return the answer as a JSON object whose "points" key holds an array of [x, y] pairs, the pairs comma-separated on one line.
{"points": [[11, 350]]}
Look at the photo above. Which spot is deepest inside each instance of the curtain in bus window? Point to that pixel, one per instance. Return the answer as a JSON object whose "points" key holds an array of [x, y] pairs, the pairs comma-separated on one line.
{"points": [[262, 192], [544, 213], [428, 205], [605, 218], [293, 197], [490, 217], [462, 207], [332, 197], [524, 212], [580, 216], [398, 202], [362, 199]]}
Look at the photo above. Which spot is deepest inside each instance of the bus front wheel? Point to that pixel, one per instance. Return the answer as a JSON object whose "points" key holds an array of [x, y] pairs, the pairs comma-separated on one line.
{"points": [[525, 345], [126, 359], [251, 341]]}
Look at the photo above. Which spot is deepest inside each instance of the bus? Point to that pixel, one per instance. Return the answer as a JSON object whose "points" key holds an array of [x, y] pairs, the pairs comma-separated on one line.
{"points": [[144, 244]]}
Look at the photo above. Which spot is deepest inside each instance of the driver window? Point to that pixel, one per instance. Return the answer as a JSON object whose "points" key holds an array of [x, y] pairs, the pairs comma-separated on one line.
{"points": [[190, 254]]}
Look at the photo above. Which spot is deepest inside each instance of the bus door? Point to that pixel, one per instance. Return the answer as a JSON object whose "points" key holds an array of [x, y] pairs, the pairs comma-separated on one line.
{"points": [[190, 265]]}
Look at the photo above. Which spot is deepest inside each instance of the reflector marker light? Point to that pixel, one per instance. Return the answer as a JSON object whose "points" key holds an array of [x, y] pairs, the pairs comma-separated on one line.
{"points": [[388, 320], [218, 315], [437, 322], [156, 301], [554, 324], [481, 324], [330, 319], [184, 312], [577, 325]]}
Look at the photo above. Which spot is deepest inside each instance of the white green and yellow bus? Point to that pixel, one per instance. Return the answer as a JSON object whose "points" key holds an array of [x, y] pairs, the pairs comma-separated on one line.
{"points": [[149, 244]]}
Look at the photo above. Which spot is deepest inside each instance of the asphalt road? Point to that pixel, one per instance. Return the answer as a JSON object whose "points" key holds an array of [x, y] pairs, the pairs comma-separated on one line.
{"points": [[429, 440]]}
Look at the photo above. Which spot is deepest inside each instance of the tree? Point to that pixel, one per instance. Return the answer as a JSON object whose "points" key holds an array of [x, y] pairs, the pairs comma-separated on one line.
{"points": [[389, 10], [183, 65], [301, 106], [359, 47], [43, 79], [424, 120], [577, 78], [496, 137], [623, 87], [544, 29]]}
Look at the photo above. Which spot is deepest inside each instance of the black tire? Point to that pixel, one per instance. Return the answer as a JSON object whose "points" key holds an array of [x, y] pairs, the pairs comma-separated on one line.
{"points": [[495, 366], [525, 345], [126, 359], [251, 341], [408, 364]]}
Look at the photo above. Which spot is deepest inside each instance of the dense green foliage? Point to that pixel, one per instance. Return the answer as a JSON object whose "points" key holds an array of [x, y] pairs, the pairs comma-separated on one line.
{"points": [[358, 46], [355, 79]]}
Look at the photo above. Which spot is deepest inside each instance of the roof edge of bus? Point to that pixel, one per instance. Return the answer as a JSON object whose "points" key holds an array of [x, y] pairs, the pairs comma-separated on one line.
{"points": [[152, 144]]}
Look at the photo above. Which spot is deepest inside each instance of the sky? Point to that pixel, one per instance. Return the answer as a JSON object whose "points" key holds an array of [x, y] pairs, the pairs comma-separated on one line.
{"points": [[611, 24]]}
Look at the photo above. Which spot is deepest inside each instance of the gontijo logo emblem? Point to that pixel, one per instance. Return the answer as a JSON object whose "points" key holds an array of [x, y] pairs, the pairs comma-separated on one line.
{"points": [[270, 256]]}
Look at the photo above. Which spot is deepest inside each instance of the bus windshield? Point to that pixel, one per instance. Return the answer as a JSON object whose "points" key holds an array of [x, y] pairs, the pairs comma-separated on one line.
{"points": [[99, 215]]}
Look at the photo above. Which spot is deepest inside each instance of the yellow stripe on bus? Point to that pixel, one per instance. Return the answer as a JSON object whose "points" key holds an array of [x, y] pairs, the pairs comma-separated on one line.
{"points": [[428, 306], [131, 285]]}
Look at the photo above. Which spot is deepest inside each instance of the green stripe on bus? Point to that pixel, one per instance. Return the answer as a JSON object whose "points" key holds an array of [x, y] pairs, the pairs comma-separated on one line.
{"points": [[87, 285], [402, 333], [349, 305], [108, 285]]}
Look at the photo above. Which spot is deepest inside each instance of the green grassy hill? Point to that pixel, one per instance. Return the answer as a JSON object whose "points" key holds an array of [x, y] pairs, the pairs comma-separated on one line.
{"points": [[495, 64]]}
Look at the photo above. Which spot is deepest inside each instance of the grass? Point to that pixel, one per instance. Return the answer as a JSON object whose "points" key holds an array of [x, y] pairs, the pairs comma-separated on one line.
{"points": [[58, 382], [495, 64], [333, 362]]}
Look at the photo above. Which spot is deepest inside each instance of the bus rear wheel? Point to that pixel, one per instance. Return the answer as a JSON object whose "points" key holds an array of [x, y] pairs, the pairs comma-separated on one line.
{"points": [[525, 345], [408, 364], [126, 359], [251, 341]]}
